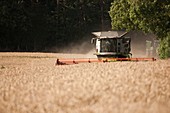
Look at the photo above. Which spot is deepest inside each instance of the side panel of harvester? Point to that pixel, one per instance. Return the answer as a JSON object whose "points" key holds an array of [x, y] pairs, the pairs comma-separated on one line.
{"points": [[98, 46]]}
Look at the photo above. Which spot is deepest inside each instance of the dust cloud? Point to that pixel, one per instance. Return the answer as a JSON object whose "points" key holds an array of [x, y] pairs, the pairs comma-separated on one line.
{"points": [[78, 48], [138, 43], [86, 49], [83, 49], [90, 54]]}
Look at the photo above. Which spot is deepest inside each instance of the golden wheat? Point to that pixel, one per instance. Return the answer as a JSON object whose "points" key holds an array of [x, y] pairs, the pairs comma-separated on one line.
{"points": [[35, 85]]}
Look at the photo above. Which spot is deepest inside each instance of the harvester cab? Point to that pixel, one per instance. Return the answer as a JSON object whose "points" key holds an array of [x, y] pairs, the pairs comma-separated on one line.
{"points": [[112, 44]]}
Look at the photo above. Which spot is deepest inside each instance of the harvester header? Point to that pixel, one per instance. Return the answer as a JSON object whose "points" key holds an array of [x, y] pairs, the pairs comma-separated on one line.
{"points": [[68, 61]]}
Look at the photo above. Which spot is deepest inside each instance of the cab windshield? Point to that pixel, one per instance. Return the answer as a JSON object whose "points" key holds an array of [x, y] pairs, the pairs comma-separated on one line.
{"points": [[108, 45]]}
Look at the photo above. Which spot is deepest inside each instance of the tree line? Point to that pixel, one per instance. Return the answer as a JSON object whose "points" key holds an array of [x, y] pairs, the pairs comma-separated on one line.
{"points": [[150, 16], [36, 25]]}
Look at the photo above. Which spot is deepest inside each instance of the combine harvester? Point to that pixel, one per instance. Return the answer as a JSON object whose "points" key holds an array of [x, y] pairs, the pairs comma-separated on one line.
{"points": [[111, 46]]}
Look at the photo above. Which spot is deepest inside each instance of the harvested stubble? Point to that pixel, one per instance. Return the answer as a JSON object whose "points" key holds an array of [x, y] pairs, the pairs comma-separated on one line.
{"points": [[36, 85]]}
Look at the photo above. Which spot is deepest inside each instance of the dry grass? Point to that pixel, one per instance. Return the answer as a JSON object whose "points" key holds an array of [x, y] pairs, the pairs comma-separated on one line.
{"points": [[36, 85]]}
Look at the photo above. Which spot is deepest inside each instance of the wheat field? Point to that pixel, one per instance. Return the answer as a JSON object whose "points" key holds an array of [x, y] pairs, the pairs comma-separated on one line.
{"points": [[31, 83]]}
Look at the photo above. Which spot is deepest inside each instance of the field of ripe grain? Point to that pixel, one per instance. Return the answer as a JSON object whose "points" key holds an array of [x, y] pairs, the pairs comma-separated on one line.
{"points": [[31, 83]]}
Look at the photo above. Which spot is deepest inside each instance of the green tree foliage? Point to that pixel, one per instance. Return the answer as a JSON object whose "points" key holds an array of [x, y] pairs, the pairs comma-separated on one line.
{"points": [[164, 49], [149, 16]]}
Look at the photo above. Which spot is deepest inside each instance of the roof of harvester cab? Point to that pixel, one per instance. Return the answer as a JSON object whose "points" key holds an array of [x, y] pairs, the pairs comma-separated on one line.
{"points": [[109, 34]]}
